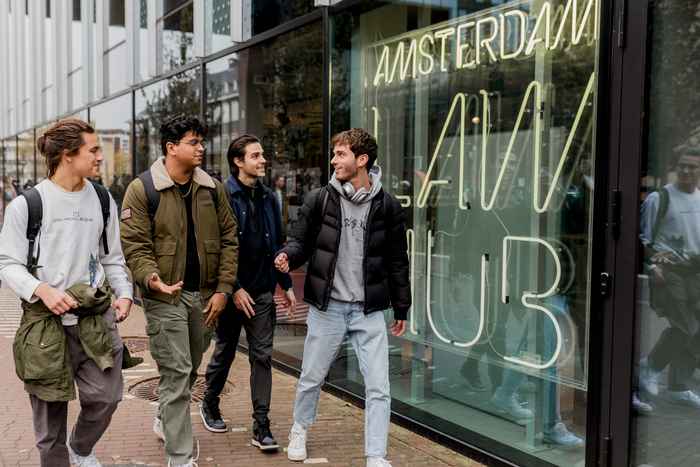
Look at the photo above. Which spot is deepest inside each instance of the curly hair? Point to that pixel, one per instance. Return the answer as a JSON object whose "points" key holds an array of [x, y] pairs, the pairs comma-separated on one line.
{"points": [[359, 141], [63, 137], [176, 127]]}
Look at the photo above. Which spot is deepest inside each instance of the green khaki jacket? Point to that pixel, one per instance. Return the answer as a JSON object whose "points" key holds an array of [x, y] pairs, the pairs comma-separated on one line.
{"points": [[160, 246], [40, 350]]}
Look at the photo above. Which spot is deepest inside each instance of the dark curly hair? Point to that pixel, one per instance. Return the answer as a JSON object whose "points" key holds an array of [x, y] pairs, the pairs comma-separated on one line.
{"points": [[176, 127], [359, 141]]}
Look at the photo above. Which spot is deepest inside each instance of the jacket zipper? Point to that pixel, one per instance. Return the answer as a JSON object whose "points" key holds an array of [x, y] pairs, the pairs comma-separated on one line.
{"points": [[372, 209], [338, 221]]}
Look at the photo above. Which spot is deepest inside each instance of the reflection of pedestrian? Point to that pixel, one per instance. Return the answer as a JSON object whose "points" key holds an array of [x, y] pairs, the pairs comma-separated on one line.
{"points": [[670, 233]]}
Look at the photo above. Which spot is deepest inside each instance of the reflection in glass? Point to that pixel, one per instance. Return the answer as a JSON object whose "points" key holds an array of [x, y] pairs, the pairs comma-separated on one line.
{"points": [[274, 91], [176, 33], [25, 161], [115, 73], [218, 32], [158, 102], [490, 149], [268, 14], [666, 397], [283, 109], [112, 121], [42, 169]]}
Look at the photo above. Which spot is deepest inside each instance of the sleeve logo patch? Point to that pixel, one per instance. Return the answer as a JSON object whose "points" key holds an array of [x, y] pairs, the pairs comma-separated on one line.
{"points": [[126, 214]]}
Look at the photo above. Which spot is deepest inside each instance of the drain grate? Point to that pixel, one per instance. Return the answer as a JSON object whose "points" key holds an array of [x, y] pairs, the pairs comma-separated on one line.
{"points": [[136, 344], [147, 389]]}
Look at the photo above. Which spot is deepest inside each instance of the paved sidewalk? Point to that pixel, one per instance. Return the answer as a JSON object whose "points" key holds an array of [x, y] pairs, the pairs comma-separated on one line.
{"points": [[335, 440]]}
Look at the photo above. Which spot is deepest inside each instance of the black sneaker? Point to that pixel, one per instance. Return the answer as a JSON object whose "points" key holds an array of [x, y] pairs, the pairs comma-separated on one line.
{"points": [[211, 416], [262, 437]]}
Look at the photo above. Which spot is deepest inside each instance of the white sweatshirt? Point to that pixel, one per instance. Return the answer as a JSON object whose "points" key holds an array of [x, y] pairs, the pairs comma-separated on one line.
{"points": [[70, 245]]}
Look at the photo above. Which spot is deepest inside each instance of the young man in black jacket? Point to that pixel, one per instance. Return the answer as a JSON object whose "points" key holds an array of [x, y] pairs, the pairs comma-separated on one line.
{"points": [[353, 234], [253, 307]]}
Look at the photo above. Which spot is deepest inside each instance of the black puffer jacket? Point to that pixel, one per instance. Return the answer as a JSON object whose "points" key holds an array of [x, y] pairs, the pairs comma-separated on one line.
{"points": [[316, 237]]}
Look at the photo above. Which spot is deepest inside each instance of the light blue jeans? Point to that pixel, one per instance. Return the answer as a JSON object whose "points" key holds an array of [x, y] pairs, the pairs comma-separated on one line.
{"points": [[368, 335]]}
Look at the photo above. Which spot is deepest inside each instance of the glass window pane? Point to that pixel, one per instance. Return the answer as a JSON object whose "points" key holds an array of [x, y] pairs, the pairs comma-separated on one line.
{"points": [[218, 32], [170, 5], [666, 387], [25, 160], [284, 110], [112, 121], [177, 38], [115, 71], [42, 168], [485, 132], [155, 104], [10, 179], [268, 14]]}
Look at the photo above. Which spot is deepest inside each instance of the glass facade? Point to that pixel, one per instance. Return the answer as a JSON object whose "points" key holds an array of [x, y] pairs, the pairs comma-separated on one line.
{"points": [[666, 398], [112, 121], [485, 132], [157, 102], [487, 117], [176, 35]]}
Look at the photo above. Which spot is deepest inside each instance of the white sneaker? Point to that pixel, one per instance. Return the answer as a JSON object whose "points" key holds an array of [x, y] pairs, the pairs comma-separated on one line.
{"points": [[83, 461], [648, 378], [296, 450], [510, 406], [377, 462], [688, 398], [158, 428]]}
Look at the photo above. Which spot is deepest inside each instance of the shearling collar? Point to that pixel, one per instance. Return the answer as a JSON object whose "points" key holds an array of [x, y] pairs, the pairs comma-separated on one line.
{"points": [[161, 179]]}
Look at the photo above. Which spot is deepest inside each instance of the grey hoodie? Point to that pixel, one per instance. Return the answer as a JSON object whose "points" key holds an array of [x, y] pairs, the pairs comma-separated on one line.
{"points": [[348, 282]]}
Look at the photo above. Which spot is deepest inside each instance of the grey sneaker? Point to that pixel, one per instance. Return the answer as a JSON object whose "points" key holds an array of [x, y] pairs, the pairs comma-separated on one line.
{"points": [[648, 378], [688, 398], [83, 461], [561, 436], [510, 406]]}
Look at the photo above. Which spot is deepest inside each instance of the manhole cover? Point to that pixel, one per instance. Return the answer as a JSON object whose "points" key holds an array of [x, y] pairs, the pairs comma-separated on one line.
{"points": [[136, 344], [147, 389]]}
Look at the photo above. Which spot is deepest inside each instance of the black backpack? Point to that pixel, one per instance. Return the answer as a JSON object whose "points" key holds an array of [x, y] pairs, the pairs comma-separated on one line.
{"points": [[153, 195], [35, 213]]}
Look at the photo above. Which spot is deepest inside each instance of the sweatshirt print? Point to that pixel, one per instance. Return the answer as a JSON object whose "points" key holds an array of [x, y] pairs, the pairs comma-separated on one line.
{"points": [[349, 280], [69, 243]]}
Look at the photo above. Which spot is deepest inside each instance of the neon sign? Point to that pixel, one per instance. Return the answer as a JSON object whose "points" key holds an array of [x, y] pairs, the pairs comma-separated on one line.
{"points": [[497, 34]]}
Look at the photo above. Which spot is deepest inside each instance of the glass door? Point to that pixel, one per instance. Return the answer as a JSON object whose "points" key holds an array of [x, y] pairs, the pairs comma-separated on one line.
{"points": [[665, 396]]}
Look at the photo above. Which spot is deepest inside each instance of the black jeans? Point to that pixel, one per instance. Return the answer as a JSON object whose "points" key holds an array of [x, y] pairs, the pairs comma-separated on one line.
{"points": [[679, 344], [260, 330]]}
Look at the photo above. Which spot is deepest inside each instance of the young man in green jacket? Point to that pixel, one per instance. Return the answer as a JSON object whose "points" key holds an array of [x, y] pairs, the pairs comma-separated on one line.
{"points": [[68, 333], [179, 239]]}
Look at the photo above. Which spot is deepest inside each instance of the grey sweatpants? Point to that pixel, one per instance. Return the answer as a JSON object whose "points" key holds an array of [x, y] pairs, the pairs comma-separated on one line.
{"points": [[99, 393]]}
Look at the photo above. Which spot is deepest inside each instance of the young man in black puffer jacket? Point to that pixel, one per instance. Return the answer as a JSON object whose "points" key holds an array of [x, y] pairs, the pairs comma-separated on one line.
{"points": [[353, 234]]}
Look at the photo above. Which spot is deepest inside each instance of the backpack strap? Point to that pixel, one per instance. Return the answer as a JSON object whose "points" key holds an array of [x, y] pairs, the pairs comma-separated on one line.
{"points": [[664, 201], [35, 213], [103, 196], [152, 195]]}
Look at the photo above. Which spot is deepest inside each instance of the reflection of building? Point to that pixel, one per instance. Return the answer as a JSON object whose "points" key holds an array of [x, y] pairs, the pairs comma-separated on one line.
{"points": [[494, 136]]}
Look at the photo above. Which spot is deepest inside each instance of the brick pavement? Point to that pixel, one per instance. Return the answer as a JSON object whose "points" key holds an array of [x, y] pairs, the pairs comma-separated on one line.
{"points": [[335, 440]]}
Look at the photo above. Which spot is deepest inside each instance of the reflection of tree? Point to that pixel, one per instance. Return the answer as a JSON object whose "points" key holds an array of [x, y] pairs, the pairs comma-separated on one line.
{"points": [[675, 66], [288, 80], [179, 28], [179, 94]]}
